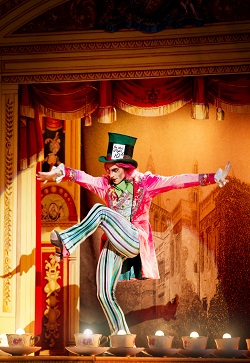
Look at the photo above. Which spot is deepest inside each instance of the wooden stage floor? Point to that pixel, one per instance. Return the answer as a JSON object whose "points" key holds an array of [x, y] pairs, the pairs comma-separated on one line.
{"points": [[101, 359]]}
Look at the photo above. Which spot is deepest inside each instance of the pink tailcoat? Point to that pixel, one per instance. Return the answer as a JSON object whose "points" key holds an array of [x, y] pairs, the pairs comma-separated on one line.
{"points": [[146, 186]]}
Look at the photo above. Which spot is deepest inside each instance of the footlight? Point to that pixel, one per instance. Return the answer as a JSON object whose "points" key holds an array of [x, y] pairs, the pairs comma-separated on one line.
{"points": [[194, 341], [20, 331], [227, 342], [159, 340]]}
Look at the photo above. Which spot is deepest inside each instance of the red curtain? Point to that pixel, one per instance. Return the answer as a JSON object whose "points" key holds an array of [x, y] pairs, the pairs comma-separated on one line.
{"points": [[65, 97], [199, 90], [69, 100], [153, 92], [30, 140], [233, 91], [60, 100]]}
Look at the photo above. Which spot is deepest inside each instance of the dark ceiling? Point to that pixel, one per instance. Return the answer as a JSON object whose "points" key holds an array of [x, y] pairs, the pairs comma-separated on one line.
{"points": [[147, 16]]}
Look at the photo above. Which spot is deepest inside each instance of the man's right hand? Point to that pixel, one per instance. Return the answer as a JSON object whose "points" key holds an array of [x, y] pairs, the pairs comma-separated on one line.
{"points": [[49, 175]]}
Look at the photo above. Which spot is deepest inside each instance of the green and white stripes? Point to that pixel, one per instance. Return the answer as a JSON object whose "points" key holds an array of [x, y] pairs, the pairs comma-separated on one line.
{"points": [[121, 233], [122, 243]]}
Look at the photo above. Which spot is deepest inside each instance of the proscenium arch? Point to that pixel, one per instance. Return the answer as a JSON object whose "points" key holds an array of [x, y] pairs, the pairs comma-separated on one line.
{"points": [[23, 13], [98, 55], [222, 48]]}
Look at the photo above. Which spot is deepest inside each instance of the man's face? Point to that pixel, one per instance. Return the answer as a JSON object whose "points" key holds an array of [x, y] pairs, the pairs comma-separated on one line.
{"points": [[116, 174]]}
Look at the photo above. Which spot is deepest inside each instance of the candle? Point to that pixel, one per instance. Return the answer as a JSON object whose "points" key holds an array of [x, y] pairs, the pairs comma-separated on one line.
{"points": [[194, 341], [226, 336], [194, 334], [227, 342], [3, 340], [20, 331], [121, 332], [159, 333], [88, 332]]}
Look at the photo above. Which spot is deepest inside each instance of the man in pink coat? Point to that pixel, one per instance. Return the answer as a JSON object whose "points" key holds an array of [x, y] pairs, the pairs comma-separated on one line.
{"points": [[127, 243]]}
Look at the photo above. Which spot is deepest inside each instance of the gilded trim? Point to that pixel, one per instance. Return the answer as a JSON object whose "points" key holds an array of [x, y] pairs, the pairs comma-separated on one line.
{"points": [[8, 205], [52, 313], [175, 72], [127, 44]]}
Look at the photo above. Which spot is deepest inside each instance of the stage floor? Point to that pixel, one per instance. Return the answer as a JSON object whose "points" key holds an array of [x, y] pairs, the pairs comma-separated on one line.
{"points": [[96, 359]]}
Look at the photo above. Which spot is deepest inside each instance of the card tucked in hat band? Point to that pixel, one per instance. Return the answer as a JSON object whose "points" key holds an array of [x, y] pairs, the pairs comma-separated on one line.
{"points": [[119, 151]]}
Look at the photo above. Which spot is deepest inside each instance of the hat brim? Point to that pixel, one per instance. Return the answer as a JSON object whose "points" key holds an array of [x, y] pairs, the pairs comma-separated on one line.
{"points": [[133, 162]]}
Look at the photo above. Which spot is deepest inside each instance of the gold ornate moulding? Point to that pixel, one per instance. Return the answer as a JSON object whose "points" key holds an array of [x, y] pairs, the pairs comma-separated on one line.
{"points": [[96, 55], [160, 73]]}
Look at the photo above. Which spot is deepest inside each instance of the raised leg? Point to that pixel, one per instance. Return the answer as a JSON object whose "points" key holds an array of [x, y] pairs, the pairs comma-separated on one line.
{"points": [[121, 233]]}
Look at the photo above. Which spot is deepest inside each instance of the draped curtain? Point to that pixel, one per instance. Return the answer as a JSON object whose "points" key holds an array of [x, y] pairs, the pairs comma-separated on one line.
{"points": [[152, 97], [145, 97], [30, 140], [232, 93], [60, 101], [65, 100]]}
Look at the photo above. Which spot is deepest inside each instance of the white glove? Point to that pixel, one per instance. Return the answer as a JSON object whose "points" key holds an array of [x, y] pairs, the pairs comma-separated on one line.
{"points": [[58, 179], [220, 175], [52, 175]]}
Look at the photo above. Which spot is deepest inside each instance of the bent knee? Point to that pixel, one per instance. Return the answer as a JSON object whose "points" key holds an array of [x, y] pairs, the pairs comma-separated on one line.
{"points": [[99, 206]]}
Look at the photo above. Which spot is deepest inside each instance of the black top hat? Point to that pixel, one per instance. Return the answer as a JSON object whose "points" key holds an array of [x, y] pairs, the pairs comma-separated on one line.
{"points": [[120, 149]]}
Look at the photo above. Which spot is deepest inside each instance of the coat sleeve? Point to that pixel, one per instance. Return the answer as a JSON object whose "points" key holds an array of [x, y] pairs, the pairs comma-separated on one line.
{"points": [[157, 184], [97, 185]]}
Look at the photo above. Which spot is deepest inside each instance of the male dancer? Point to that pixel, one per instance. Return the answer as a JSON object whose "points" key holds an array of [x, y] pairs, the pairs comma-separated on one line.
{"points": [[128, 245]]}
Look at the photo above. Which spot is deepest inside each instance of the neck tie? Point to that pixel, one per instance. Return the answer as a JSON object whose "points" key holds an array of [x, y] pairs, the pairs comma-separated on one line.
{"points": [[122, 186]]}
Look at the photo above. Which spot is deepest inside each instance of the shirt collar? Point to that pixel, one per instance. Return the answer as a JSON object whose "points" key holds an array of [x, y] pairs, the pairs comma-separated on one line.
{"points": [[123, 186]]}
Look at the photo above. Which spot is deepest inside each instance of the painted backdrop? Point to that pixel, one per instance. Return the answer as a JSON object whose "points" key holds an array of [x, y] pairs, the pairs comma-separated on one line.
{"points": [[201, 234]]}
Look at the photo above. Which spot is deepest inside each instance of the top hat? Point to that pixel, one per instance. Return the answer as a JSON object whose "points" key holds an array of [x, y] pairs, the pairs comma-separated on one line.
{"points": [[120, 149]]}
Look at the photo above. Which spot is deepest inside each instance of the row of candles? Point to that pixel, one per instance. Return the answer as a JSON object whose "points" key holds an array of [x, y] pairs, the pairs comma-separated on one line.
{"points": [[120, 332], [193, 341], [193, 334]]}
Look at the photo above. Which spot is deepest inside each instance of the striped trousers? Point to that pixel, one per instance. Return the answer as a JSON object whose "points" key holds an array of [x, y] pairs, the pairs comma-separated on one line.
{"points": [[123, 242]]}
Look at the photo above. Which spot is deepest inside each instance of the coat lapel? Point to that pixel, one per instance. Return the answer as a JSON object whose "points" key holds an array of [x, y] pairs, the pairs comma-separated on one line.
{"points": [[137, 198]]}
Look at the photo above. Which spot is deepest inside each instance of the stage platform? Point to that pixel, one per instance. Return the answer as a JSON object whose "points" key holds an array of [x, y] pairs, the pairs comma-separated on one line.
{"points": [[101, 359]]}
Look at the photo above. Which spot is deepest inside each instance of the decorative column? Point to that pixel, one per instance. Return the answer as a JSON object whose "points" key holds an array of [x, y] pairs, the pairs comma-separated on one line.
{"points": [[17, 224], [26, 249], [60, 281], [8, 200]]}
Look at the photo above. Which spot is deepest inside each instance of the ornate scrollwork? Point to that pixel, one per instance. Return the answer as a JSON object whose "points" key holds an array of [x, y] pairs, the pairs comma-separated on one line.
{"points": [[151, 73], [52, 313], [128, 44], [9, 172]]}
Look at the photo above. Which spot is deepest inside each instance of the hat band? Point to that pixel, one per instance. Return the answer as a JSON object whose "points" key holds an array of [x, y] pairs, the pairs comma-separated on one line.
{"points": [[109, 157]]}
